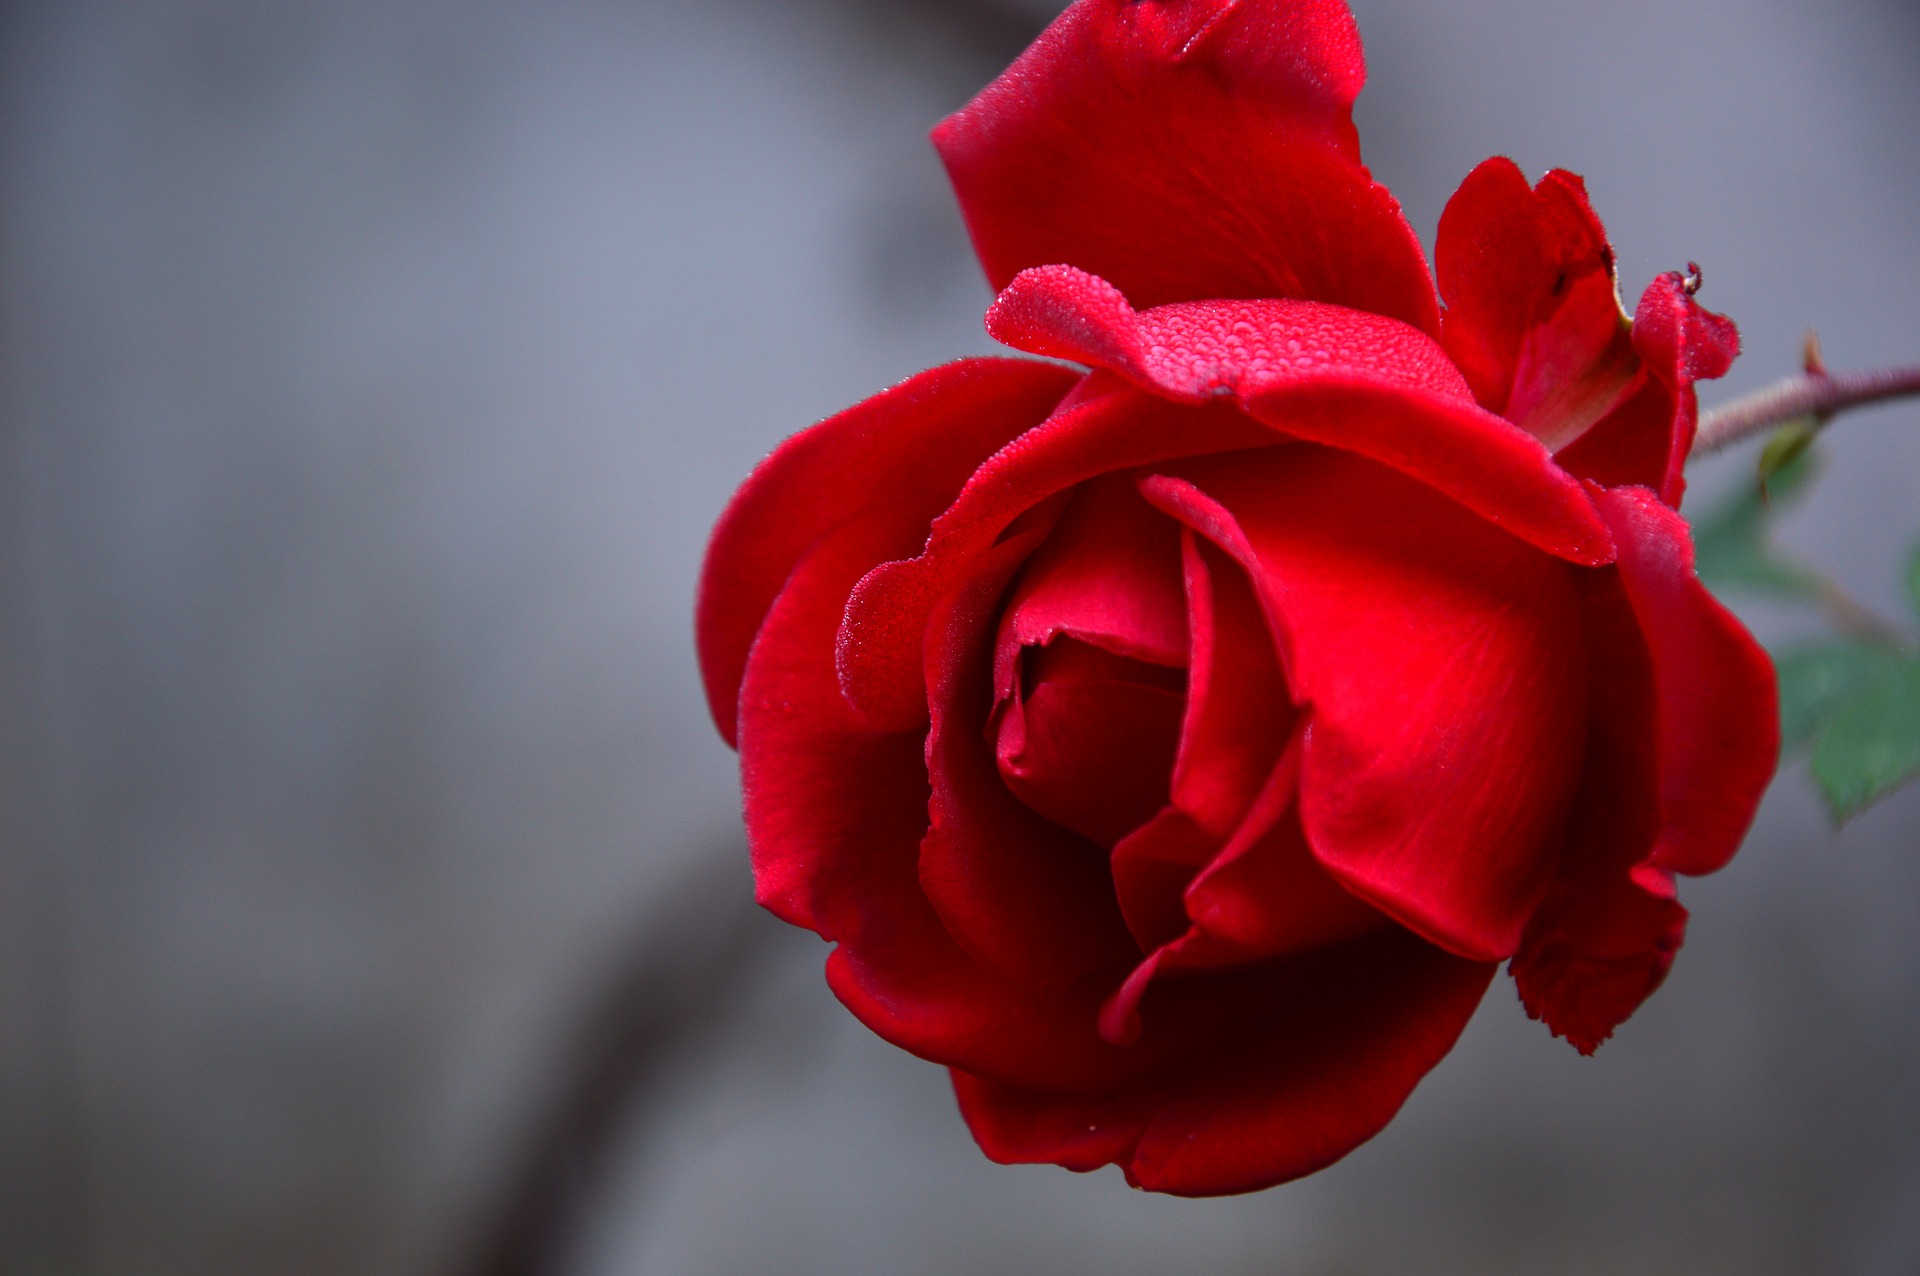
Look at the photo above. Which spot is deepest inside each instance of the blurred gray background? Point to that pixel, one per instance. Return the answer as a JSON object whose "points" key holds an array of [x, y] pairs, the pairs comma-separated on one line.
{"points": [[370, 374]]}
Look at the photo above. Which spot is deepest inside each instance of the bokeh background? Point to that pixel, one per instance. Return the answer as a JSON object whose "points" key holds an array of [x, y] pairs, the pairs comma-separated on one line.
{"points": [[372, 897]]}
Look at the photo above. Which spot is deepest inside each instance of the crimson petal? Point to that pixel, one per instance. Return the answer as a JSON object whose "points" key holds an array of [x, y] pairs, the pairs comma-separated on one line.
{"points": [[1023, 895], [1441, 667], [1188, 149], [1344, 1035], [1645, 440], [835, 816], [1238, 713], [1109, 575], [1092, 745], [880, 655], [906, 452], [1533, 314], [1263, 894], [1609, 927], [1717, 707], [1685, 738], [1195, 350], [1354, 381], [1238, 718]]}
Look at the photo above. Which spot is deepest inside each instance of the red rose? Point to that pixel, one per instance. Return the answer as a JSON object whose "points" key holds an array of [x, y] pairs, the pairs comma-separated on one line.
{"points": [[1174, 749]]}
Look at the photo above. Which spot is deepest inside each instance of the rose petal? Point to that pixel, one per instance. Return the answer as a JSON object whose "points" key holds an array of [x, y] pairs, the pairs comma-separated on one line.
{"points": [[1090, 748], [1645, 440], [1238, 719], [1268, 897], [1188, 149], [835, 817], [1480, 460], [1151, 869], [1497, 471], [1195, 350], [1109, 575], [880, 656], [1441, 667], [1262, 895], [1609, 927], [1342, 1037], [1239, 716], [1716, 709], [1533, 315], [1352, 381], [1023, 895], [906, 452], [829, 804]]}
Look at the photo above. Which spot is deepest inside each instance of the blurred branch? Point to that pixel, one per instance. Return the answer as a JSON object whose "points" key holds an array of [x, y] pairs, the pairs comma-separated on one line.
{"points": [[993, 31], [677, 985], [1815, 394], [1851, 617]]}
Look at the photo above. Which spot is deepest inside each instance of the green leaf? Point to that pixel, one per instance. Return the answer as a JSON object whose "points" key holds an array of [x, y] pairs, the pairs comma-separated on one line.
{"points": [[1786, 445], [1817, 681], [1871, 746], [1730, 545]]}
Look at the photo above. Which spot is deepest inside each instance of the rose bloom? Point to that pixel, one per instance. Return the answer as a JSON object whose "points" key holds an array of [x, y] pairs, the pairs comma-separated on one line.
{"points": [[1174, 749]]}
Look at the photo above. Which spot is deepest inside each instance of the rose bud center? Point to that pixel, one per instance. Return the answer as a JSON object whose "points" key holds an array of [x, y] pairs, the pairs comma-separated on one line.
{"points": [[1089, 742]]}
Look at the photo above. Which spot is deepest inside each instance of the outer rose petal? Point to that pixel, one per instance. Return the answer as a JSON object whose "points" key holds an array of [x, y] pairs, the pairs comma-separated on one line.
{"points": [[1195, 350], [1533, 316], [1226, 120], [1342, 1037], [835, 816], [1353, 381], [1717, 709], [1440, 664], [830, 806], [1608, 930], [1644, 440], [902, 454], [1685, 738]]}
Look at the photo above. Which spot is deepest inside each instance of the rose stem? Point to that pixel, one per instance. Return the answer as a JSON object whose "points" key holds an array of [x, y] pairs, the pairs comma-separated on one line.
{"points": [[1814, 394], [1818, 394]]}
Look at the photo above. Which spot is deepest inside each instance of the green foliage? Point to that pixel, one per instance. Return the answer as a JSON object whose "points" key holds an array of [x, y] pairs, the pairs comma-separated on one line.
{"points": [[1855, 700], [1731, 546], [1785, 446], [1871, 746], [1816, 682]]}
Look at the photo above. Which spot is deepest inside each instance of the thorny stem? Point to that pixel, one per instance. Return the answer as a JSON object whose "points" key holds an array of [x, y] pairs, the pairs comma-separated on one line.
{"points": [[1814, 394]]}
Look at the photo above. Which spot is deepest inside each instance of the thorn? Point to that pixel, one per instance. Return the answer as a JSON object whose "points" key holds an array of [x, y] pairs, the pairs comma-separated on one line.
{"points": [[1694, 281], [1812, 359]]}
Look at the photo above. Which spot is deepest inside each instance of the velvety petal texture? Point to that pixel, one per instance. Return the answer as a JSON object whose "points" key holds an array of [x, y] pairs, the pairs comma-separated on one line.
{"points": [[1341, 377], [898, 458], [1644, 441], [1534, 320], [1342, 1036], [1173, 746], [1226, 119], [1533, 314], [1440, 664]]}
